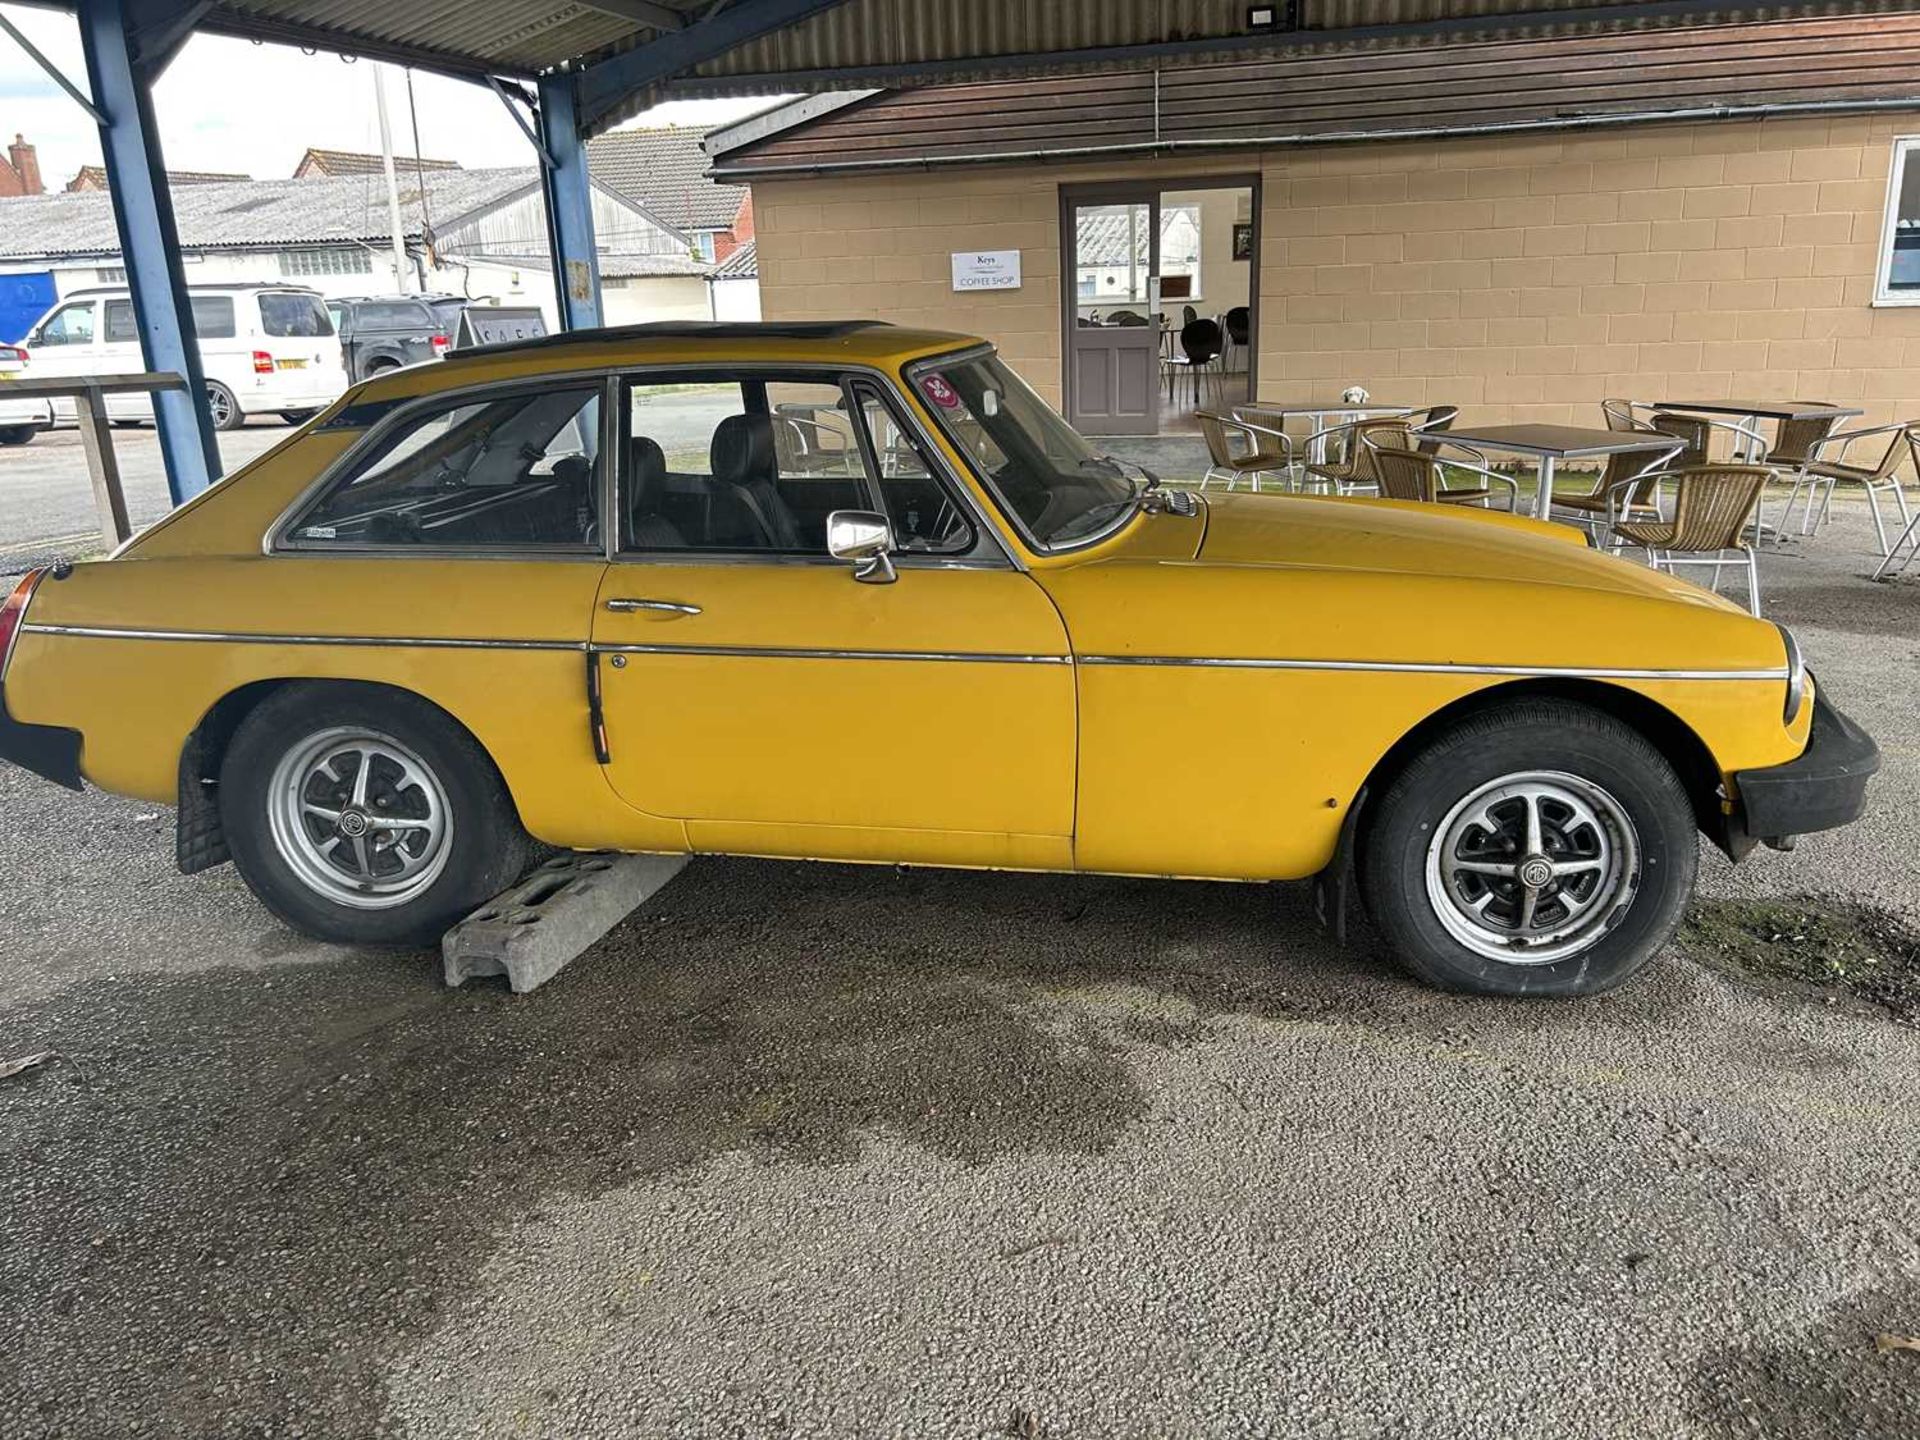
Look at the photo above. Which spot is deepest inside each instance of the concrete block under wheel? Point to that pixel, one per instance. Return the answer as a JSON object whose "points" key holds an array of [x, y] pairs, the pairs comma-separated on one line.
{"points": [[529, 931]]}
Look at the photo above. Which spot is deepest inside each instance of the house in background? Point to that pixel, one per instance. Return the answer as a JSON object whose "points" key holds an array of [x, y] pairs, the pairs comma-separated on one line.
{"points": [[1517, 226], [664, 171], [319, 164], [94, 177], [20, 172]]}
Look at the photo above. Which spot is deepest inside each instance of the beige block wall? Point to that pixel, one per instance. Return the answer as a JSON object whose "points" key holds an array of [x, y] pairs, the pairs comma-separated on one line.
{"points": [[1520, 278]]}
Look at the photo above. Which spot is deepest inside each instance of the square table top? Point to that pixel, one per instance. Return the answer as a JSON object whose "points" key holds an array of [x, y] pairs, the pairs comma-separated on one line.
{"points": [[1559, 441], [1767, 409]]}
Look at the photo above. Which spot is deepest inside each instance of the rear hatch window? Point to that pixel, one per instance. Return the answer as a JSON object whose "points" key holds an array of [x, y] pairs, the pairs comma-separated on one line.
{"points": [[284, 313]]}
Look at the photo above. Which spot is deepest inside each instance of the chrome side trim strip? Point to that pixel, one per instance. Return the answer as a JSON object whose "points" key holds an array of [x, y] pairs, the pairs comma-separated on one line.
{"points": [[975, 657], [410, 642], [776, 652], [1415, 667]]}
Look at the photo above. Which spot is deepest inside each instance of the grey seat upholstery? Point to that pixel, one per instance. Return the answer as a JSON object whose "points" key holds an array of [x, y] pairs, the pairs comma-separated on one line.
{"points": [[649, 529], [744, 465]]}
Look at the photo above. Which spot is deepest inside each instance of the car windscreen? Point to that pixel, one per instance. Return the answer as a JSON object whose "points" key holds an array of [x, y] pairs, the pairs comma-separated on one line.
{"points": [[290, 314], [1041, 470]]}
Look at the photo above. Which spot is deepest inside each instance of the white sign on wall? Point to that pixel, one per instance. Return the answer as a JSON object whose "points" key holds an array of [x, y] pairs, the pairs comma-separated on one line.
{"points": [[986, 269]]}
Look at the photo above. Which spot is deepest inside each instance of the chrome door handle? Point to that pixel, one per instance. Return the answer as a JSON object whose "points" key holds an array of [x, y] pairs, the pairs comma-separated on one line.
{"points": [[622, 606]]}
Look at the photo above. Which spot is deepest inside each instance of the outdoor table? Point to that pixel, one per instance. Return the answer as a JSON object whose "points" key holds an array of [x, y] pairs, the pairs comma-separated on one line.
{"points": [[1550, 444], [1753, 411], [1276, 413], [89, 394]]}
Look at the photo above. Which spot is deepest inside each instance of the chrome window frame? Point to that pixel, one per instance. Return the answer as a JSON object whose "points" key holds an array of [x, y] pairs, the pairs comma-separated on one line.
{"points": [[911, 374], [987, 537], [276, 542]]}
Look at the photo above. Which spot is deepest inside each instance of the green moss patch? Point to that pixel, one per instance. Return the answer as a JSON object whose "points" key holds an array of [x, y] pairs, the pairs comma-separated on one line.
{"points": [[1832, 944]]}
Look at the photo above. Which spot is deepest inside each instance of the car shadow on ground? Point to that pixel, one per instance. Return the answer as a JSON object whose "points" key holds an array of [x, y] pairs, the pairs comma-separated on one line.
{"points": [[299, 1165]]}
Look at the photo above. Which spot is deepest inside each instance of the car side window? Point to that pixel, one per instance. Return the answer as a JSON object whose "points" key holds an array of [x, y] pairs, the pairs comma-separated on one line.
{"points": [[69, 325], [920, 506], [513, 471], [753, 464], [120, 326]]}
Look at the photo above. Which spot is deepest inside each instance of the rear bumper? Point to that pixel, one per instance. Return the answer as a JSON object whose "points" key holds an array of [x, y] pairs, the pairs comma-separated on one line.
{"points": [[1826, 787], [47, 750]]}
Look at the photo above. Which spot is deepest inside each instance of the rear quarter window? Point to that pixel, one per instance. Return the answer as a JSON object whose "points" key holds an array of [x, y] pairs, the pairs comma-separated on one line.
{"points": [[292, 315], [393, 317]]}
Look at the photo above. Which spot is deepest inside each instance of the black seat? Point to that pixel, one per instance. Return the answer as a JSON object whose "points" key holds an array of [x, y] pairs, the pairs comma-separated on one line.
{"points": [[649, 528], [743, 462]]}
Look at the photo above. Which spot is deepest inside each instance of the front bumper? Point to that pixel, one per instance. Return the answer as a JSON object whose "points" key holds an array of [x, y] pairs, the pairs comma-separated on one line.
{"points": [[47, 750], [1826, 787]]}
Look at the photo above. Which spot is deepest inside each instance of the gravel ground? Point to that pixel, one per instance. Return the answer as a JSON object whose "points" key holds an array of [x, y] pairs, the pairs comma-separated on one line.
{"points": [[828, 1151]]}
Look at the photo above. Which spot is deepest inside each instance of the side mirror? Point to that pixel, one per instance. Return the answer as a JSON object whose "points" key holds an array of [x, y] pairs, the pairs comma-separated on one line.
{"points": [[866, 538]]}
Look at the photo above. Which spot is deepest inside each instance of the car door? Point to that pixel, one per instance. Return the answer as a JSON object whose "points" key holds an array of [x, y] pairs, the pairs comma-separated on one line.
{"points": [[750, 685], [65, 344]]}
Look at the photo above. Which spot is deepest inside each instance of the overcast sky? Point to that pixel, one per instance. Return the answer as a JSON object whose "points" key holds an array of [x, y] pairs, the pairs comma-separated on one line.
{"points": [[232, 105]]}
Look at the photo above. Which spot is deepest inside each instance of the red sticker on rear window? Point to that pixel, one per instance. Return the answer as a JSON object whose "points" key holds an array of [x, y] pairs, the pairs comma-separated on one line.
{"points": [[936, 389]]}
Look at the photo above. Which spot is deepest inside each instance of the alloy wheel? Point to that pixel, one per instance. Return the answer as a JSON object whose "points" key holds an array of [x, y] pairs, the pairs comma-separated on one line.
{"points": [[1533, 867], [359, 818]]}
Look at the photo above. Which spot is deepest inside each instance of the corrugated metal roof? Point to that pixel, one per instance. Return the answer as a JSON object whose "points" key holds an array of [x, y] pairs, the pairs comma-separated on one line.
{"points": [[251, 214], [742, 264], [949, 39], [1862, 61], [900, 43]]}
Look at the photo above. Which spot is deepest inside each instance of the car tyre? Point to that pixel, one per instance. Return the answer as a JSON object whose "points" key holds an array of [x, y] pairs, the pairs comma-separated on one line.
{"points": [[428, 836], [298, 417], [222, 408], [1543, 848], [18, 434]]}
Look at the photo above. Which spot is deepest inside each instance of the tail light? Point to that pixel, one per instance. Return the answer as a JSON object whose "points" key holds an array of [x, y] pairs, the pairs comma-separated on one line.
{"points": [[13, 355], [12, 612], [441, 344], [262, 363]]}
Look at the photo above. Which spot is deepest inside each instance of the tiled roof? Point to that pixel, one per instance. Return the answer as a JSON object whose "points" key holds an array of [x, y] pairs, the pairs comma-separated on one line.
{"points": [[94, 177], [252, 213], [664, 172], [742, 264], [334, 163]]}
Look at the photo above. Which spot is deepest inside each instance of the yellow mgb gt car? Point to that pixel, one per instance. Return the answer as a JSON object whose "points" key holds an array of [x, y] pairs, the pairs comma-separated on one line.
{"points": [[843, 591]]}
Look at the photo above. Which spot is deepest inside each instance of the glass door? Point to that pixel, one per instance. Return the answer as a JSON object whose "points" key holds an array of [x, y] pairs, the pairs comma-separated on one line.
{"points": [[1115, 335]]}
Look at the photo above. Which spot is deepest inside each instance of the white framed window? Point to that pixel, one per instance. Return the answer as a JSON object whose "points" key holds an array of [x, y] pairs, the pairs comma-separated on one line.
{"points": [[326, 260], [1897, 281]]}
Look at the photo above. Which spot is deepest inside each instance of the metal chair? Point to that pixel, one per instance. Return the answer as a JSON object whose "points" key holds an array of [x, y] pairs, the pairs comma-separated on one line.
{"points": [[1405, 473], [1200, 343], [1712, 508], [1820, 474], [1225, 464]]}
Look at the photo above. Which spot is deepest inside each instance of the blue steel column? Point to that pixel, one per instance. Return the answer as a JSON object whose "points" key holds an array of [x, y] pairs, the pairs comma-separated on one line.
{"points": [[569, 202], [150, 246]]}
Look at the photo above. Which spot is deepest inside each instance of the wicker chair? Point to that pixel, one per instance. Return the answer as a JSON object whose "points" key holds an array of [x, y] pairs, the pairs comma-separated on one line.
{"points": [[1627, 489], [1819, 474], [1351, 471], [1405, 473], [1712, 508], [1619, 415], [1270, 451]]}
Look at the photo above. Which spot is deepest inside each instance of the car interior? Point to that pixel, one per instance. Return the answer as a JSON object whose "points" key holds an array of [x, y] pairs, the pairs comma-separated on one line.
{"points": [[773, 472], [517, 470]]}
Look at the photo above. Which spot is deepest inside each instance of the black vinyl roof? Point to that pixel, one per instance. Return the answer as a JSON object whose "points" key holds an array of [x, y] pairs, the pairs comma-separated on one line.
{"points": [[688, 330]]}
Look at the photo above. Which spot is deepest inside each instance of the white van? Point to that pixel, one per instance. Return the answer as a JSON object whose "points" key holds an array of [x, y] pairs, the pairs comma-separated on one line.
{"points": [[265, 348]]}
